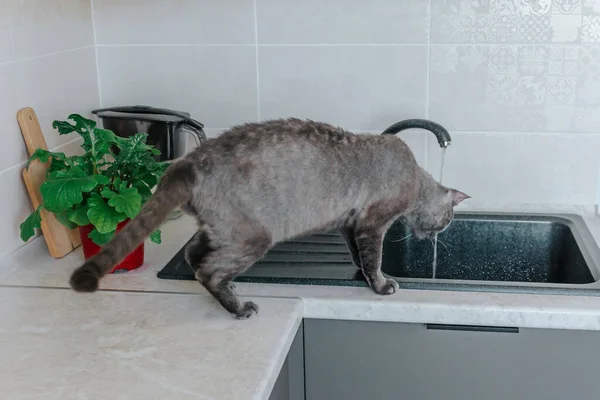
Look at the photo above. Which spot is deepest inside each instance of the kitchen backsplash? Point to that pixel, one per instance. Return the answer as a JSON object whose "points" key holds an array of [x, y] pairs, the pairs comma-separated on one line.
{"points": [[47, 61], [517, 82]]}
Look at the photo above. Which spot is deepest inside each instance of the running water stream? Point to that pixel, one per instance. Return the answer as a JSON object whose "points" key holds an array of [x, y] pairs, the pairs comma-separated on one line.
{"points": [[435, 240]]}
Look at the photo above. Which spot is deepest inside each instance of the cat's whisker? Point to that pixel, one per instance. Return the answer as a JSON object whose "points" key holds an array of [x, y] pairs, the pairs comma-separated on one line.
{"points": [[445, 246], [444, 243], [402, 239]]}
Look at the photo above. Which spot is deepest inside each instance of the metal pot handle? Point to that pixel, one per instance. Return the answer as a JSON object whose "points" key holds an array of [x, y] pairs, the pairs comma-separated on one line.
{"points": [[152, 110], [196, 132]]}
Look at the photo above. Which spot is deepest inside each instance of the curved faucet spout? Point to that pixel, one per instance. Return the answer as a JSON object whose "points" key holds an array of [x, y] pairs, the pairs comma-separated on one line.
{"points": [[442, 135]]}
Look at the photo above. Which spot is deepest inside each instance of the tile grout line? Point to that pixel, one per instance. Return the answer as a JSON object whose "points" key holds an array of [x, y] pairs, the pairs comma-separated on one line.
{"points": [[177, 45], [341, 44], [263, 44], [428, 62], [427, 73], [54, 149], [258, 110], [51, 54], [96, 53]]}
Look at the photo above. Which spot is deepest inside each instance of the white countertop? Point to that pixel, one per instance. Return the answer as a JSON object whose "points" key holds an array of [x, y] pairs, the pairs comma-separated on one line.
{"points": [[140, 335], [57, 344]]}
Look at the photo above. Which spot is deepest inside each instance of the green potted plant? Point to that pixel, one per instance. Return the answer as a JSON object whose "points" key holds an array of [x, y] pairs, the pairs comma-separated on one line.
{"points": [[99, 191]]}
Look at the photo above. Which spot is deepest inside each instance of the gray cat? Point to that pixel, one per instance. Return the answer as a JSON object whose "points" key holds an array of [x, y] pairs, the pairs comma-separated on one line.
{"points": [[261, 183]]}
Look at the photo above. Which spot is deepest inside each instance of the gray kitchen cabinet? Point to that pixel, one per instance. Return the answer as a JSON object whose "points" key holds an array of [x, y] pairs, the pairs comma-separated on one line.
{"points": [[290, 382], [358, 360]]}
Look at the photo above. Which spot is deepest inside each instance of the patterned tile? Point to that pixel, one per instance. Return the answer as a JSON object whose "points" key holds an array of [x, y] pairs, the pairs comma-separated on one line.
{"points": [[586, 119], [460, 7], [591, 7], [533, 59], [561, 90], [565, 28], [567, 6], [509, 87], [521, 167], [589, 60], [515, 21], [590, 29], [564, 60], [588, 91], [504, 29], [503, 59]]}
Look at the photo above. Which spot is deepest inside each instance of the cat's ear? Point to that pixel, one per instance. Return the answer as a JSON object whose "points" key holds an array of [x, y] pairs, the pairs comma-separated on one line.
{"points": [[458, 197]]}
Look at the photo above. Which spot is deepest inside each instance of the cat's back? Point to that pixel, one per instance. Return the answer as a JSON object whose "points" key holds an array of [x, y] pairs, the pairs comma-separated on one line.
{"points": [[289, 132], [296, 138], [286, 148]]}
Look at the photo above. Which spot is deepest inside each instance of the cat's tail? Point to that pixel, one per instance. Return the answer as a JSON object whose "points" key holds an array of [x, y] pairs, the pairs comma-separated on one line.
{"points": [[175, 189]]}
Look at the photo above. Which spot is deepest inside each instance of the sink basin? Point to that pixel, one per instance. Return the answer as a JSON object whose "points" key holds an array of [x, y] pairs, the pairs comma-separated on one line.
{"points": [[524, 253], [491, 248]]}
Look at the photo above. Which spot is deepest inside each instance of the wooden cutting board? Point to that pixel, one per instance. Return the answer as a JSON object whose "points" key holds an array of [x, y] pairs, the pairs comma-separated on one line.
{"points": [[59, 239]]}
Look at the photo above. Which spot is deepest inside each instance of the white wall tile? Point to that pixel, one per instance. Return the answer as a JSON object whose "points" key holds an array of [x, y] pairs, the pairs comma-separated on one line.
{"points": [[41, 26], [5, 45], [174, 22], [216, 85], [521, 168], [357, 87], [56, 86], [13, 149], [13, 209], [342, 21], [416, 139]]}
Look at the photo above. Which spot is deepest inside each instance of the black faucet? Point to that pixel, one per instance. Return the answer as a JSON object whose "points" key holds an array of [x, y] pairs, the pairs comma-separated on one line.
{"points": [[442, 135]]}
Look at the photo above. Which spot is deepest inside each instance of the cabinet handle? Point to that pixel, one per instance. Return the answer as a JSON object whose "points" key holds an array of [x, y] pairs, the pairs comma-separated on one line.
{"points": [[472, 328]]}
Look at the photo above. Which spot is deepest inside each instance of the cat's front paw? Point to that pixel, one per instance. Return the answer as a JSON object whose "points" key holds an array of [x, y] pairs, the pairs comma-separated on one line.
{"points": [[389, 287], [248, 310]]}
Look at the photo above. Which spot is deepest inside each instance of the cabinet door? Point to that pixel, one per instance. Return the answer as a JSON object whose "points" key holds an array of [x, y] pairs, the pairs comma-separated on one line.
{"points": [[356, 360], [290, 382]]}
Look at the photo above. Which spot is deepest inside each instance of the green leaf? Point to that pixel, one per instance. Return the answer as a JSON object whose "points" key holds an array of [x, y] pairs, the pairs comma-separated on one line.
{"points": [[63, 127], [34, 220], [44, 155], [103, 141], [101, 179], [107, 193], [58, 165], [64, 219], [134, 147], [79, 216], [149, 179], [82, 124], [155, 237], [104, 135], [104, 218], [64, 189], [128, 202], [144, 190], [100, 238]]}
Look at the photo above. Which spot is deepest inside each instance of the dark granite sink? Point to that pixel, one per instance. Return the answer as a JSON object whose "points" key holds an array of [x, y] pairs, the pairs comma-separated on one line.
{"points": [[478, 252], [491, 248]]}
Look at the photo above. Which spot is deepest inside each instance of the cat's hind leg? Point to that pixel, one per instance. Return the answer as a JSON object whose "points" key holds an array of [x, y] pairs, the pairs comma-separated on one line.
{"points": [[217, 260]]}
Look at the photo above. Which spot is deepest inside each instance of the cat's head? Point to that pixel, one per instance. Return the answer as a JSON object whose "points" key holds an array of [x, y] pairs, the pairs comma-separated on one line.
{"points": [[434, 211]]}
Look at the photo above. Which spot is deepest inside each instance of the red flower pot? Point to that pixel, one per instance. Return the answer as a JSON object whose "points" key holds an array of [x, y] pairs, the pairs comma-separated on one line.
{"points": [[134, 260]]}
